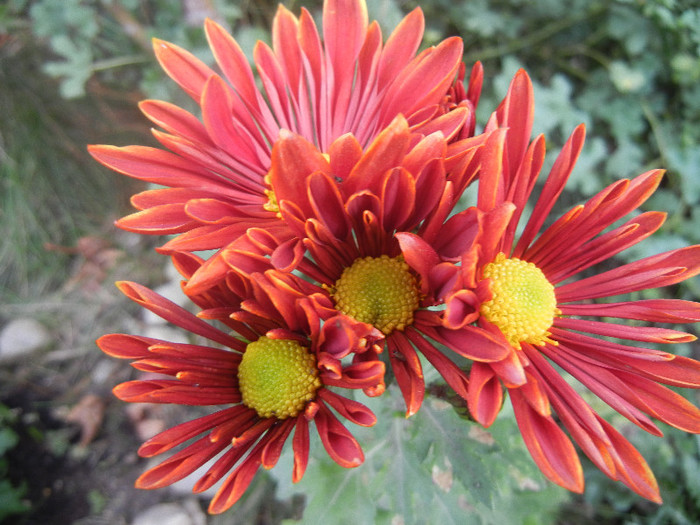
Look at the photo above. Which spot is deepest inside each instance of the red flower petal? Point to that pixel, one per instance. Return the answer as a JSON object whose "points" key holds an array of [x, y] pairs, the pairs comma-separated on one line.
{"points": [[397, 197], [236, 67], [680, 371], [284, 43], [337, 440], [459, 233], [632, 470], [293, 160], [125, 346], [344, 152], [236, 484], [175, 120], [151, 198], [491, 183], [351, 410], [359, 375], [424, 81], [175, 392], [553, 187], [453, 375], [419, 255], [606, 384], [300, 445], [344, 29], [566, 400], [614, 202], [174, 313], [521, 186], [471, 342], [327, 204], [226, 132], [634, 333], [183, 432], [401, 46], [550, 448], [156, 166], [462, 309], [516, 113], [183, 67], [180, 464], [408, 371], [275, 440], [159, 220], [211, 272], [485, 394], [568, 260], [653, 310], [658, 270], [664, 403], [386, 152]]}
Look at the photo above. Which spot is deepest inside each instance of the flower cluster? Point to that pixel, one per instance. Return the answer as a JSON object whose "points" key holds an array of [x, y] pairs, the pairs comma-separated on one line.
{"points": [[343, 256]]}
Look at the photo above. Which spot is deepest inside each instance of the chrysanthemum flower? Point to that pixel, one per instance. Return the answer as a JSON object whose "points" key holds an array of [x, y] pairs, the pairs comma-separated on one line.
{"points": [[271, 379], [359, 218], [536, 300], [348, 82]]}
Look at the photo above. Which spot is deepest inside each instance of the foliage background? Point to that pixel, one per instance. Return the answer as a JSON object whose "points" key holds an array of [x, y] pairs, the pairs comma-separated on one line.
{"points": [[71, 72]]}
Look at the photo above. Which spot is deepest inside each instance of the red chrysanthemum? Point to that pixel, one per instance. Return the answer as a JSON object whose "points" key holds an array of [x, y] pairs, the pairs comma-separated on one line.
{"points": [[273, 376], [360, 220], [215, 170], [530, 296]]}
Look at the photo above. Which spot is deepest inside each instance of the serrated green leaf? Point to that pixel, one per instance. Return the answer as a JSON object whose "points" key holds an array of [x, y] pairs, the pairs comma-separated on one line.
{"points": [[434, 467]]}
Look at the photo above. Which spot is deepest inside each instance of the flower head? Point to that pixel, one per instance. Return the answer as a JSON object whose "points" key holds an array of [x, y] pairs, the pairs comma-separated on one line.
{"points": [[373, 239], [530, 295], [317, 85], [274, 377]]}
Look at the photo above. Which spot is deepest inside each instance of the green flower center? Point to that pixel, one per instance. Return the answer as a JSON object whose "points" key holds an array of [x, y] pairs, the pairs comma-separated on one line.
{"points": [[524, 305], [277, 377], [380, 291]]}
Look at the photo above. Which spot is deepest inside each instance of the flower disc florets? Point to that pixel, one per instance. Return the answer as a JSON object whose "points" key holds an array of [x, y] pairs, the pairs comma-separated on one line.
{"points": [[523, 305], [380, 291], [271, 204], [277, 377]]}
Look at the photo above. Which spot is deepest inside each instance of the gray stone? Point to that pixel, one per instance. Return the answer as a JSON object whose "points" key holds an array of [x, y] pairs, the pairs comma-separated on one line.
{"points": [[170, 514], [102, 371], [21, 337]]}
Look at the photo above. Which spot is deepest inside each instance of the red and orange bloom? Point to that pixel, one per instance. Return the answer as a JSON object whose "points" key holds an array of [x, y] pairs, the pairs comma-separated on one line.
{"points": [[359, 218], [215, 170], [530, 296], [273, 376]]}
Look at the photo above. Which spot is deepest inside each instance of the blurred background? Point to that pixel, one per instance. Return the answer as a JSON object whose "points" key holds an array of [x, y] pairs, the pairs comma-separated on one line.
{"points": [[72, 72]]}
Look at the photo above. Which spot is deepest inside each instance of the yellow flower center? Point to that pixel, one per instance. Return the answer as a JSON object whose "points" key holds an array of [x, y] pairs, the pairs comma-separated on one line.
{"points": [[271, 204], [277, 377], [524, 305], [380, 291]]}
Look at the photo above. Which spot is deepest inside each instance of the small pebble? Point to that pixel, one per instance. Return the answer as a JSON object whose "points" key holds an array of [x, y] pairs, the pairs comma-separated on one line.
{"points": [[21, 337], [167, 514]]}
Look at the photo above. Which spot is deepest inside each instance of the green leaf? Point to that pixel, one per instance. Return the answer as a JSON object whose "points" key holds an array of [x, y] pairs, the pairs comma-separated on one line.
{"points": [[434, 467], [8, 440], [11, 500]]}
